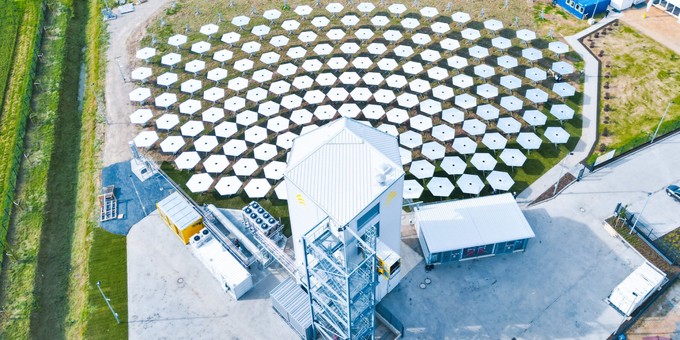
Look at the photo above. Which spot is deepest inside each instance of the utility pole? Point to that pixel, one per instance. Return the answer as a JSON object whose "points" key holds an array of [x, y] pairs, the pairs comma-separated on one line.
{"points": [[561, 173], [108, 302], [661, 121], [637, 218]]}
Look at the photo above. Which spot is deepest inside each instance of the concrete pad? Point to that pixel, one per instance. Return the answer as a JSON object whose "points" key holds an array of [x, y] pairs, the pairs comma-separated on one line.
{"points": [[558, 287], [171, 295], [554, 290], [136, 199], [628, 181]]}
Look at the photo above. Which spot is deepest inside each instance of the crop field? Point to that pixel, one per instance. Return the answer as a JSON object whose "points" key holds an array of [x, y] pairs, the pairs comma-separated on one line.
{"points": [[10, 18], [15, 103], [19, 270]]}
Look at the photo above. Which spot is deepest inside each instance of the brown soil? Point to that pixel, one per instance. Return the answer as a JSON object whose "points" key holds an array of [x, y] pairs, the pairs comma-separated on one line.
{"points": [[648, 253], [657, 24], [564, 181]]}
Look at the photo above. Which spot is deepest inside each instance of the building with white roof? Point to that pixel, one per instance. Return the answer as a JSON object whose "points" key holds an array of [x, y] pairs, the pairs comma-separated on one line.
{"points": [[180, 216], [472, 228], [232, 276], [349, 173], [636, 288]]}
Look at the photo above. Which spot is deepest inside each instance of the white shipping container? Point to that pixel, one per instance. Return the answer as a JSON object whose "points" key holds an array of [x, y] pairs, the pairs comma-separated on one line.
{"points": [[234, 278]]}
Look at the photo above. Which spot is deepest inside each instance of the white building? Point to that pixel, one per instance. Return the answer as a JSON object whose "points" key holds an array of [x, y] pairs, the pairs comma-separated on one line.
{"points": [[636, 288], [232, 276], [349, 173], [472, 228], [671, 7]]}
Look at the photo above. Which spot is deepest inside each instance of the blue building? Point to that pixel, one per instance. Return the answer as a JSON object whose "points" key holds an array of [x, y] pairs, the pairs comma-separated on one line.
{"points": [[584, 9]]}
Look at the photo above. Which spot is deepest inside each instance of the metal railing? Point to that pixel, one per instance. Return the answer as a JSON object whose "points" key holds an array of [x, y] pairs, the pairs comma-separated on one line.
{"points": [[666, 251], [390, 318], [207, 218]]}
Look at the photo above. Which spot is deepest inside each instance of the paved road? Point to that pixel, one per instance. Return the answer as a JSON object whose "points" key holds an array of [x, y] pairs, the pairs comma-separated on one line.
{"points": [[628, 181], [124, 33]]}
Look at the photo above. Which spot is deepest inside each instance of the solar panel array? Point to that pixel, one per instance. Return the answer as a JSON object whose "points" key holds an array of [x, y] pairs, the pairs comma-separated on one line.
{"points": [[229, 108]]}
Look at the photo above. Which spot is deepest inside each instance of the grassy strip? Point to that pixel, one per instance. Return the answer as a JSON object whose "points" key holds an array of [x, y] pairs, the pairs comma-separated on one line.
{"points": [[16, 108], [59, 288], [647, 252], [638, 86], [18, 273], [88, 168], [106, 254], [10, 17], [108, 264]]}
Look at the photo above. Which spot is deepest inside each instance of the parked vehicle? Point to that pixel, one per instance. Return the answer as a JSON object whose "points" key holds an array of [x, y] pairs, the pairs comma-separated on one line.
{"points": [[673, 191]]}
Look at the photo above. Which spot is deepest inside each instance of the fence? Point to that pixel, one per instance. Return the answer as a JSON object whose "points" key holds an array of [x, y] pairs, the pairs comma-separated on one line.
{"points": [[390, 318], [646, 233], [667, 251], [7, 201], [640, 143]]}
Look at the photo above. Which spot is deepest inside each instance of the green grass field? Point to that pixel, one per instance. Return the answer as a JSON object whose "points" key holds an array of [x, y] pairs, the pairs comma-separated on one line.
{"points": [[56, 254], [107, 263], [17, 268], [642, 82], [19, 275]]}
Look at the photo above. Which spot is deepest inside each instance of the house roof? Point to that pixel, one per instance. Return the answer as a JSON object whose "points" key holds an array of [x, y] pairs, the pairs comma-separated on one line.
{"points": [[453, 225], [343, 166]]}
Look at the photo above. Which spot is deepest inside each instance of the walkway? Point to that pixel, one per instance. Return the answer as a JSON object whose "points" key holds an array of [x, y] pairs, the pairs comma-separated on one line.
{"points": [[124, 33], [588, 139]]}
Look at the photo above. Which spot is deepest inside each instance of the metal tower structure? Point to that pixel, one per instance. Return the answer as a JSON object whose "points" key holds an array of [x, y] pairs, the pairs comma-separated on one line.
{"points": [[341, 276]]}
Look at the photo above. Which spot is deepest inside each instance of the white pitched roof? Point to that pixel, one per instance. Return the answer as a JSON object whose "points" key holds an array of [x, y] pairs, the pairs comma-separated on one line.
{"points": [[453, 225], [338, 165]]}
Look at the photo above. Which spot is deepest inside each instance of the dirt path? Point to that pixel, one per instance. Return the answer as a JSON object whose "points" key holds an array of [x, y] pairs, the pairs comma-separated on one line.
{"points": [[661, 319], [658, 25], [123, 32]]}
